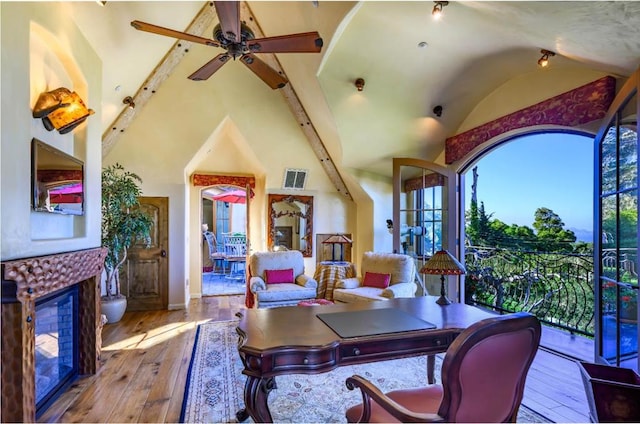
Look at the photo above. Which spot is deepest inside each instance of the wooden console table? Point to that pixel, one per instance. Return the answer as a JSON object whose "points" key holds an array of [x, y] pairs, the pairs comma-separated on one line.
{"points": [[292, 340]]}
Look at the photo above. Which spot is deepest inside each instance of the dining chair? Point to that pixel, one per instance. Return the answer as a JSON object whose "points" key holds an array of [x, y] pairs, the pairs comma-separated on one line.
{"points": [[235, 250], [483, 376], [216, 254]]}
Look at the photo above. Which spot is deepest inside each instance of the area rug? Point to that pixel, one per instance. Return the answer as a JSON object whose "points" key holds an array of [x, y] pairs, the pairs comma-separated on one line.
{"points": [[215, 384]]}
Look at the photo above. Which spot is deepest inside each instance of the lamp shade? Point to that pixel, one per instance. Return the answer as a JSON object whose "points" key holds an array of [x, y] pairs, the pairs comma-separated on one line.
{"points": [[337, 239], [442, 263]]}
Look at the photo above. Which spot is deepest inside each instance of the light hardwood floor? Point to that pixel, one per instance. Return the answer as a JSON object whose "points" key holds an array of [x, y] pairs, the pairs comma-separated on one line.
{"points": [[146, 356]]}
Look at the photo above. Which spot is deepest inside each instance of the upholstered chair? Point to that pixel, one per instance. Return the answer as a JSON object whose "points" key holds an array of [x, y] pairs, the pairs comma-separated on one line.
{"points": [[483, 377], [382, 276], [278, 279]]}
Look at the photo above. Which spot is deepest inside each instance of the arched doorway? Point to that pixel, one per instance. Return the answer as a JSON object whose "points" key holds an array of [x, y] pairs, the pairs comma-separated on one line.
{"points": [[528, 231], [224, 230]]}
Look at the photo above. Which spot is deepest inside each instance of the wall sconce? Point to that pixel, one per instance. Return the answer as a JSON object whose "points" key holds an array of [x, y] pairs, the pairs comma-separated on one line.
{"points": [[544, 60], [61, 109], [129, 101], [437, 9], [359, 84]]}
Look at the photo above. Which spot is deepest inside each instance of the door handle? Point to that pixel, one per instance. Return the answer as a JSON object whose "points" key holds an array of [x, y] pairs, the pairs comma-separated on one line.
{"points": [[163, 253]]}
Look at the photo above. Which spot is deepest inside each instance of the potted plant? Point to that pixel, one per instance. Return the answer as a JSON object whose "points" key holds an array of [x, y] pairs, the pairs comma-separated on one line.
{"points": [[123, 223]]}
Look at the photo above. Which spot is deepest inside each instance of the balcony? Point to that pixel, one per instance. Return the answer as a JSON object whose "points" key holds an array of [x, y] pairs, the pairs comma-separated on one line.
{"points": [[556, 287]]}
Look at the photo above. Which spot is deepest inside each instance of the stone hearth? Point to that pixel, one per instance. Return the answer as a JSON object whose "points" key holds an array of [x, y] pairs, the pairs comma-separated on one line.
{"points": [[24, 281]]}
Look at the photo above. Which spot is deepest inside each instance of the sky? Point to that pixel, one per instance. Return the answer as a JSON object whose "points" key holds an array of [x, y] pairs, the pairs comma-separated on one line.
{"points": [[553, 170]]}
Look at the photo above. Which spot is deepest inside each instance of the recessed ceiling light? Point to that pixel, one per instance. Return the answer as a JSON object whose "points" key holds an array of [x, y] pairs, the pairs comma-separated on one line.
{"points": [[423, 44]]}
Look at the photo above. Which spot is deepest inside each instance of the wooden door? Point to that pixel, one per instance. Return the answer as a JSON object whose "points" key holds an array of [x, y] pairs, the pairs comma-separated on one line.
{"points": [[144, 275]]}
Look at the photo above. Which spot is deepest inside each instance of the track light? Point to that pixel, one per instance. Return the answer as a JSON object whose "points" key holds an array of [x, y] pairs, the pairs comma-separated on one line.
{"points": [[359, 84], [437, 9], [544, 60], [129, 101]]}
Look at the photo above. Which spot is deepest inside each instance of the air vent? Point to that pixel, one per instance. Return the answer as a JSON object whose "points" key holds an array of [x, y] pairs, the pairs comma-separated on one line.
{"points": [[295, 179]]}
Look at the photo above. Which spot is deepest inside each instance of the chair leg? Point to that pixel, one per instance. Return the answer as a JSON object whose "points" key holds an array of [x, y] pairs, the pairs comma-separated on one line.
{"points": [[431, 369]]}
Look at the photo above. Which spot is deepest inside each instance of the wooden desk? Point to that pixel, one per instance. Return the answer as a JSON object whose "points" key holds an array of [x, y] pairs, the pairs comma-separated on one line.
{"points": [[292, 340], [327, 274]]}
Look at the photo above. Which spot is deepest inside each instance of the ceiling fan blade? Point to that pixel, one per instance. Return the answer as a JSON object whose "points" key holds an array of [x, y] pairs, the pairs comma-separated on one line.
{"points": [[154, 29], [306, 42], [229, 15], [210, 67], [267, 74]]}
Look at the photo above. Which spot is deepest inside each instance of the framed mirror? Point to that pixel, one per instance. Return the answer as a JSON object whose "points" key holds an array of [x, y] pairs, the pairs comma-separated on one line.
{"points": [[290, 223]]}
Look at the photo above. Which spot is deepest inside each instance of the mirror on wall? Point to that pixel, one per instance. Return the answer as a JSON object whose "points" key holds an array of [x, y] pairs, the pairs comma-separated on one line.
{"points": [[291, 223]]}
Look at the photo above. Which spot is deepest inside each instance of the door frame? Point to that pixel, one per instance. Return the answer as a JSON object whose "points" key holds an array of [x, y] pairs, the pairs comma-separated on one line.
{"points": [[452, 225]]}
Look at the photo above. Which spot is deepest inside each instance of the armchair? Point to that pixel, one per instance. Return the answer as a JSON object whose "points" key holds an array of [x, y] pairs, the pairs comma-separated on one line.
{"points": [[400, 283], [491, 357], [278, 279]]}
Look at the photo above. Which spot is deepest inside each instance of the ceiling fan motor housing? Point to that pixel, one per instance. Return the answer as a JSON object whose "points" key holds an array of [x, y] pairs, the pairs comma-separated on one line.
{"points": [[234, 49]]}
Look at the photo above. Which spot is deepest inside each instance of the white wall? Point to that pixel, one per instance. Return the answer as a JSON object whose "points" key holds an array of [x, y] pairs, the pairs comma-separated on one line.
{"points": [[42, 49]]}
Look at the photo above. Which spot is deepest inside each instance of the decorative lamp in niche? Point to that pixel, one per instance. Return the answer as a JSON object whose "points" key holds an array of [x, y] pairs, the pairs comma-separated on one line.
{"points": [[340, 239], [442, 263], [61, 109]]}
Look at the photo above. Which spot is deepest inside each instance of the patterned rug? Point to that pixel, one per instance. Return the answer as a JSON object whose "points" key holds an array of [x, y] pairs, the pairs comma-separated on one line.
{"points": [[215, 384]]}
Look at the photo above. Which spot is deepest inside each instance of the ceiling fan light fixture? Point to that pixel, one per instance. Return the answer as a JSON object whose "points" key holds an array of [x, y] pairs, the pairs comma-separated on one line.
{"points": [[129, 101], [438, 9], [543, 62], [359, 84]]}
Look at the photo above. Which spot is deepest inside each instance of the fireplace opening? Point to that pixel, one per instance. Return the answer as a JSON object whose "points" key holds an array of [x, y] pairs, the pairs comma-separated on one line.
{"points": [[56, 345]]}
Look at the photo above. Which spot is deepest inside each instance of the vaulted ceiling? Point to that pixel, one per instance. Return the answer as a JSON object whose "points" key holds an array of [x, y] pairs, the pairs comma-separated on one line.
{"points": [[473, 50]]}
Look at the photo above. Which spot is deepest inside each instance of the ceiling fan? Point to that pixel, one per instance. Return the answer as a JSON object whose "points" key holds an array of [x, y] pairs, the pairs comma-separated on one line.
{"points": [[239, 42]]}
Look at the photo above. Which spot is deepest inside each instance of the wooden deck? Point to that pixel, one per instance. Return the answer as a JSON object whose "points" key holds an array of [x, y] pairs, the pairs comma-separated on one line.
{"points": [[146, 357]]}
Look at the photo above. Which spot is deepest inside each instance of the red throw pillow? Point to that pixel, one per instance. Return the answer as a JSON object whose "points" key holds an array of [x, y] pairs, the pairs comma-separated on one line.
{"points": [[277, 276], [373, 279]]}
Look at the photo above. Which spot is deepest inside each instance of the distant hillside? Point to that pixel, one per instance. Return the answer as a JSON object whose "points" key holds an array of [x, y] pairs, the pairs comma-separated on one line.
{"points": [[583, 235]]}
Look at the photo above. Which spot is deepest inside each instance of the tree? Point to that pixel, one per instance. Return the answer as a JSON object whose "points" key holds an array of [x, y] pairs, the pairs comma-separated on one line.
{"points": [[550, 232], [122, 221]]}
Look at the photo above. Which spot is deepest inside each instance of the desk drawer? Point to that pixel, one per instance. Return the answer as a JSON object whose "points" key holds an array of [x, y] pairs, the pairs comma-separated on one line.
{"points": [[374, 349], [303, 360]]}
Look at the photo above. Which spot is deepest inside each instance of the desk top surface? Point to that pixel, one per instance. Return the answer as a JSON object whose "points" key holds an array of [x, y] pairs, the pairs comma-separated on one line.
{"points": [[277, 328]]}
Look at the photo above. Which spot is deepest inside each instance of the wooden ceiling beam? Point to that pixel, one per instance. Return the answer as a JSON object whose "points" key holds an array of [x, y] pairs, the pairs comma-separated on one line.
{"points": [[297, 108], [202, 21]]}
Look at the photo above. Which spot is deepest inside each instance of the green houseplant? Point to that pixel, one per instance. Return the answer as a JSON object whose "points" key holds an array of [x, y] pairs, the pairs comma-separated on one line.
{"points": [[123, 223]]}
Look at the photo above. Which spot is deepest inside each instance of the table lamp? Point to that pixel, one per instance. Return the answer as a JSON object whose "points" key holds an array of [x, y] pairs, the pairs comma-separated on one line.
{"points": [[340, 239], [442, 263]]}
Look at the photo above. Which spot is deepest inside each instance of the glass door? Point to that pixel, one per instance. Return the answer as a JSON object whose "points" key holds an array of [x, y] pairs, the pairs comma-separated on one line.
{"points": [[424, 218], [616, 221]]}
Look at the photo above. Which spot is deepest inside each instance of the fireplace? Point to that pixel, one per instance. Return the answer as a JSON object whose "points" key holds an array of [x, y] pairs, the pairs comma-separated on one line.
{"points": [[50, 328], [56, 354]]}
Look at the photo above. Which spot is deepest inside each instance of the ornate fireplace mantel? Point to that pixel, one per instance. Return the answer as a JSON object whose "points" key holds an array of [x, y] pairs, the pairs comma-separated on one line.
{"points": [[24, 281]]}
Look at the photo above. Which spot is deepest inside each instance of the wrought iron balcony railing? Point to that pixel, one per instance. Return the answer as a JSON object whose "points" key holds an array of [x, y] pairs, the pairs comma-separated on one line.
{"points": [[556, 287]]}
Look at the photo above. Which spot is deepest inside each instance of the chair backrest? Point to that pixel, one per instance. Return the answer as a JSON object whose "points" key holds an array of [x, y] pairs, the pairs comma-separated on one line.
{"points": [[401, 267], [235, 245], [485, 368], [261, 261]]}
